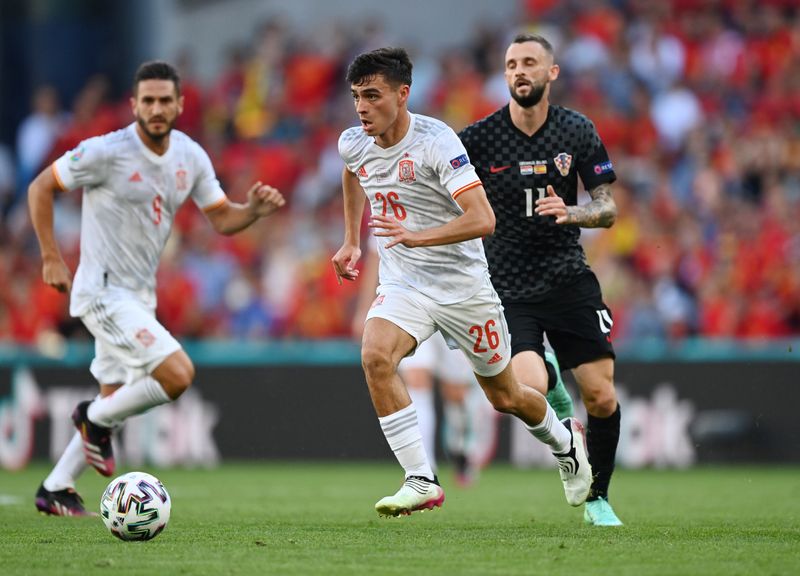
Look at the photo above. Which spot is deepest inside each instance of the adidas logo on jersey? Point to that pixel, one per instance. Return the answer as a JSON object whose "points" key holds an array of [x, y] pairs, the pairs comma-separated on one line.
{"points": [[136, 177], [495, 359]]}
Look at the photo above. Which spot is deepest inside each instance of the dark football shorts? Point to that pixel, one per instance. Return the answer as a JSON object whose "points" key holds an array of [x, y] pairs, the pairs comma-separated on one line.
{"points": [[574, 317]]}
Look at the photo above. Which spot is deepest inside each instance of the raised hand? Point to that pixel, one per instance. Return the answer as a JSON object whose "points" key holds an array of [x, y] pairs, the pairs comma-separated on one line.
{"points": [[264, 199], [387, 227], [553, 205]]}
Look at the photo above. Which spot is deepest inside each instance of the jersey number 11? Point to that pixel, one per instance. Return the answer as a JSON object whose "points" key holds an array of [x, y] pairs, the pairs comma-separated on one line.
{"points": [[529, 199]]}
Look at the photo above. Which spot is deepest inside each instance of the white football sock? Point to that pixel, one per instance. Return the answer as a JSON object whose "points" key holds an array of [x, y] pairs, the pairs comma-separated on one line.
{"points": [[552, 432], [128, 400], [423, 401], [482, 425], [457, 427], [404, 438], [68, 467]]}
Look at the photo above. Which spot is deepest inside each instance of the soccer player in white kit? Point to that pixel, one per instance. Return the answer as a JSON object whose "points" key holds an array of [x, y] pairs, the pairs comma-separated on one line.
{"points": [[134, 181], [429, 211]]}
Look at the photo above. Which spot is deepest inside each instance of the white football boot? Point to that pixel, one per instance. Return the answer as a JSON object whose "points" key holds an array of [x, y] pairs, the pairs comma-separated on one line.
{"points": [[573, 466], [416, 493]]}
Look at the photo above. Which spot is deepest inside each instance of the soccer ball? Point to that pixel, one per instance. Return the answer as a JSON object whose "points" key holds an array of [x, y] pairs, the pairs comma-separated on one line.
{"points": [[135, 506]]}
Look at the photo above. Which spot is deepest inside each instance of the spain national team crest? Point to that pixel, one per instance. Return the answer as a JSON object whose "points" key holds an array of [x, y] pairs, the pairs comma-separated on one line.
{"points": [[406, 171], [180, 179], [563, 162]]}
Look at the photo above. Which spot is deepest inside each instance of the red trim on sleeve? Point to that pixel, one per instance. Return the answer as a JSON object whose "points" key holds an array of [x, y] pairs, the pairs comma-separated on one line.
{"points": [[215, 205], [463, 189], [57, 177]]}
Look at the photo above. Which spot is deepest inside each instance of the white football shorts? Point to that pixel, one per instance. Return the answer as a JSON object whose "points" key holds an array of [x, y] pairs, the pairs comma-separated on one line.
{"points": [[476, 325], [129, 342]]}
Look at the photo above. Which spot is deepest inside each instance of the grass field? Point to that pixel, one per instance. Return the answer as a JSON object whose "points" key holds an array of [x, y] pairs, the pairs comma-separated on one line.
{"points": [[289, 518]]}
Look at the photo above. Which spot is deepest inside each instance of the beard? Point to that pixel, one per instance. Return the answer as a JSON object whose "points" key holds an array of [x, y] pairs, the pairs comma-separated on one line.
{"points": [[155, 136], [533, 97]]}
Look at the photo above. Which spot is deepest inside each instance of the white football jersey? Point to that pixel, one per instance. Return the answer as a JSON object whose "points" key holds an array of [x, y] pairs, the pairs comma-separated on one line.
{"points": [[416, 181], [130, 197]]}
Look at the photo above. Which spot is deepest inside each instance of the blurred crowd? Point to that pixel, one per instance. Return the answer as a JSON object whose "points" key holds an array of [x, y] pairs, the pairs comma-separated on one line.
{"points": [[697, 101]]}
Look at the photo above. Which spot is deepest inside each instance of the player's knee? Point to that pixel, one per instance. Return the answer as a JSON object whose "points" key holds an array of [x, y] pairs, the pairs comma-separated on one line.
{"points": [[602, 403], [376, 362], [502, 401], [183, 378], [176, 375]]}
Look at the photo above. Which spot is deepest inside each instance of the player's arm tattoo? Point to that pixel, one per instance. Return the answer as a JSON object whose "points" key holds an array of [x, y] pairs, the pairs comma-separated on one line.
{"points": [[601, 212]]}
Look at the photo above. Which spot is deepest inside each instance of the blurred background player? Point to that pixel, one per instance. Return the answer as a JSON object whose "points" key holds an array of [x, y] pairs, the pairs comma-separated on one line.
{"points": [[529, 155], [429, 211], [134, 180], [469, 426]]}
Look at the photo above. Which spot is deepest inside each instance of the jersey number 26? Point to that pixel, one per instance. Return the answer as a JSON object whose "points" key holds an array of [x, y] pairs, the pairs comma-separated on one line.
{"points": [[391, 200]]}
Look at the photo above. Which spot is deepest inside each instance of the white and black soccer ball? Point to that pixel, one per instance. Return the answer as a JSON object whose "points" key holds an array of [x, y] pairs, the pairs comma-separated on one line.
{"points": [[135, 506]]}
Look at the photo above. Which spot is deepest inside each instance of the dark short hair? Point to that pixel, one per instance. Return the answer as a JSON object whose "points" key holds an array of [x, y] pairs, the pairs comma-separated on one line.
{"points": [[528, 37], [391, 63], [157, 70]]}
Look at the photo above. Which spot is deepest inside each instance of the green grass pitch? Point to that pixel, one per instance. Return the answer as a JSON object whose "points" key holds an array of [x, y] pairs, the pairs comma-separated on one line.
{"points": [[296, 518]]}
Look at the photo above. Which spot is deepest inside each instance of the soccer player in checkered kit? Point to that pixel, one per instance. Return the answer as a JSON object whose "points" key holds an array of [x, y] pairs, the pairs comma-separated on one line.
{"points": [[134, 180], [428, 212], [529, 155]]}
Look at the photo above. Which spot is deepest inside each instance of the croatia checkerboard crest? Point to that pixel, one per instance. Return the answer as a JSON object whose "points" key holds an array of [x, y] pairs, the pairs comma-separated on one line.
{"points": [[563, 162]]}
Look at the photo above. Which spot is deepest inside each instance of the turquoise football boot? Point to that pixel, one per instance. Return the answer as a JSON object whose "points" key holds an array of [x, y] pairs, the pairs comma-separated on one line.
{"points": [[600, 513]]}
